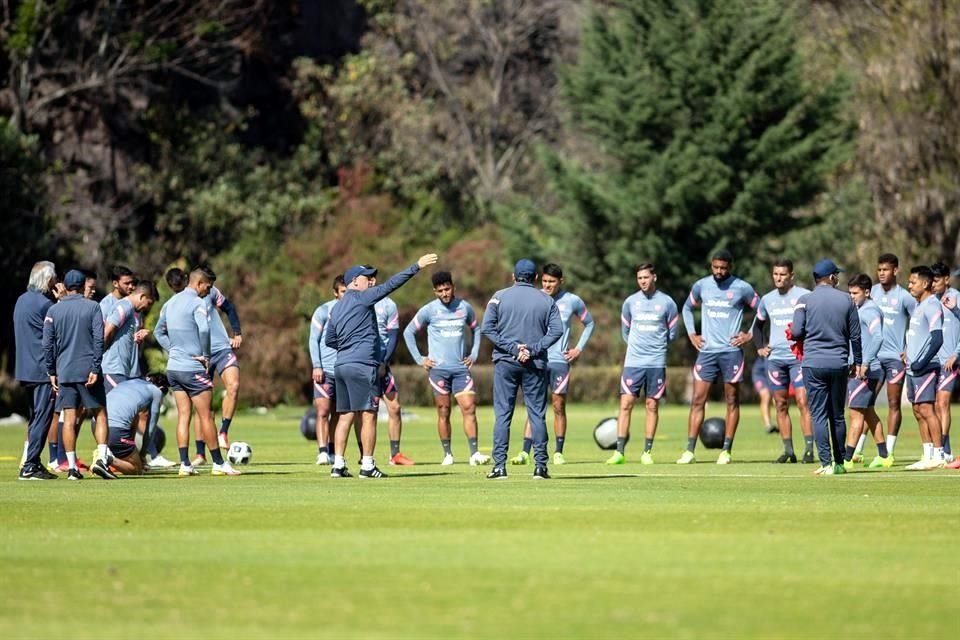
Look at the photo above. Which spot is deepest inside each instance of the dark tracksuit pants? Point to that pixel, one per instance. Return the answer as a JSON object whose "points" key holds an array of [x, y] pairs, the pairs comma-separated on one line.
{"points": [[41, 413], [826, 395], [508, 376]]}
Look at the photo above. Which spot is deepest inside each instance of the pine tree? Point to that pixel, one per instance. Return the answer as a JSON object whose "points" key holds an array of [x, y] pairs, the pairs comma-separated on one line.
{"points": [[707, 135]]}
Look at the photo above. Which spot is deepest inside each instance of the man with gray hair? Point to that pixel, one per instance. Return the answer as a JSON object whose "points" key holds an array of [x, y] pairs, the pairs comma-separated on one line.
{"points": [[28, 315]]}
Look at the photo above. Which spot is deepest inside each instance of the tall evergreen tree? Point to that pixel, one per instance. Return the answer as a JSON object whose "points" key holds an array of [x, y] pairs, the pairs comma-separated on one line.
{"points": [[707, 134]]}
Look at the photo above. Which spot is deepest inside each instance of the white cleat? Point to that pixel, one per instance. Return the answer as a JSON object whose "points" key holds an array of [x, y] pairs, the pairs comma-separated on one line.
{"points": [[479, 459], [925, 464], [187, 470], [161, 463], [687, 458], [447, 460], [324, 458], [224, 470]]}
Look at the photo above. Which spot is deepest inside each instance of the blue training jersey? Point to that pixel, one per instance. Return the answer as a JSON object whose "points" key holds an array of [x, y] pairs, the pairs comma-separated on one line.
{"points": [[446, 333], [123, 355], [388, 326], [722, 315], [127, 400], [896, 305], [951, 327], [776, 309], [73, 339], [871, 335], [184, 331], [570, 305], [648, 324], [322, 356], [926, 318], [219, 339]]}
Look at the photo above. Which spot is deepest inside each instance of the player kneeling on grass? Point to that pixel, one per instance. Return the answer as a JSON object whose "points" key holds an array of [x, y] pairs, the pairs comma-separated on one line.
{"points": [[133, 408], [648, 323]]}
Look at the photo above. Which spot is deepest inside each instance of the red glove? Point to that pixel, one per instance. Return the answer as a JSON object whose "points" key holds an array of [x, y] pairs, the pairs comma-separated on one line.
{"points": [[797, 347]]}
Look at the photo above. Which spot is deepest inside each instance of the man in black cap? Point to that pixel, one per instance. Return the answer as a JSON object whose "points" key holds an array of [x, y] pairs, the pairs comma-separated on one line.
{"points": [[521, 322], [826, 322]]}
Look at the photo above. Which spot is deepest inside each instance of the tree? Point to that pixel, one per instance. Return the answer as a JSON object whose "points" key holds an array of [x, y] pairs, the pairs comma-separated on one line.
{"points": [[704, 134]]}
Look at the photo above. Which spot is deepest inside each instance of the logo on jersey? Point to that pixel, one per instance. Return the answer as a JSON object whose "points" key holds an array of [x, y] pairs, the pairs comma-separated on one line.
{"points": [[657, 307], [729, 295]]}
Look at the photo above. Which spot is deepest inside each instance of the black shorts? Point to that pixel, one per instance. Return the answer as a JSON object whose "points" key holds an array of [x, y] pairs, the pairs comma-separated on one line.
{"points": [[74, 395], [120, 443]]}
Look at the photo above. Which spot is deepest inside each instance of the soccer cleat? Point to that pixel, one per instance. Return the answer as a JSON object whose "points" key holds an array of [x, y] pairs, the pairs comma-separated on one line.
{"points": [[478, 459], [101, 469], [340, 472], [74, 474], [541, 473], [52, 467], [35, 472], [323, 458], [63, 467], [948, 457], [401, 460], [724, 458], [198, 461], [223, 440], [497, 473], [161, 463], [372, 473], [807, 457], [881, 463], [187, 470], [558, 458], [848, 465], [521, 458], [839, 470], [447, 460], [772, 428], [824, 470], [646, 458], [786, 458], [925, 464], [954, 465], [82, 466], [687, 458], [225, 469], [857, 458], [616, 458]]}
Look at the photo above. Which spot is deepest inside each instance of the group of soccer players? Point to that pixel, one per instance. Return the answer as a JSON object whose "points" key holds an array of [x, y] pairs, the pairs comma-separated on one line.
{"points": [[82, 359]]}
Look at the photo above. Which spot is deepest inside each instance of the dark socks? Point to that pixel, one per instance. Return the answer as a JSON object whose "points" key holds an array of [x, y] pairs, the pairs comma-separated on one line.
{"points": [[201, 448], [691, 444], [225, 425], [216, 455], [185, 456], [808, 444], [527, 445], [52, 451], [621, 445], [882, 449], [648, 444], [946, 444], [472, 443], [848, 453], [788, 446], [560, 441], [446, 447], [330, 450], [727, 444], [394, 447]]}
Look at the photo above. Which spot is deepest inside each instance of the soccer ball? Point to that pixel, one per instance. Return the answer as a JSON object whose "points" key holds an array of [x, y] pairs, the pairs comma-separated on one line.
{"points": [[605, 433], [308, 424], [712, 432], [239, 453]]}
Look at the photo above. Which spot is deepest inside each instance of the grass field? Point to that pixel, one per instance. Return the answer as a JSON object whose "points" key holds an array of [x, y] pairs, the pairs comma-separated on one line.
{"points": [[748, 550]]}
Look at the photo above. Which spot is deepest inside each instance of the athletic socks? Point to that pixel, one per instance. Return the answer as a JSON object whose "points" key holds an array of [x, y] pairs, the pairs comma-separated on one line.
{"points": [[647, 444], [102, 452], [152, 450], [946, 444], [329, 448], [938, 454], [339, 462], [927, 450], [891, 443], [394, 447], [527, 445], [201, 448], [691, 444], [366, 463], [727, 444], [52, 451], [225, 425], [446, 447], [848, 453], [72, 459], [61, 452], [621, 445], [808, 444], [472, 443], [788, 446], [882, 449], [862, 441], [560, 441], [216, 455], [185, 456]]}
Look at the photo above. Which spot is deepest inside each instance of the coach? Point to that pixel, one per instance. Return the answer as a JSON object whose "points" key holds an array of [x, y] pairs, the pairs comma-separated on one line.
{"points": [[826, 321], [521, 322]]}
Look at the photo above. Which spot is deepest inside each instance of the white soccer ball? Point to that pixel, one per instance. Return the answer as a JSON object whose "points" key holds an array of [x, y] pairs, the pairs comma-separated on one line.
{"points": [[605, 434], [239, 453]]}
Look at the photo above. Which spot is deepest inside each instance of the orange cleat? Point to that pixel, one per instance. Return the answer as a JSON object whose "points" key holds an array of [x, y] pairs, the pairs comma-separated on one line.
{"points": [[955, 464], [401, 460]]}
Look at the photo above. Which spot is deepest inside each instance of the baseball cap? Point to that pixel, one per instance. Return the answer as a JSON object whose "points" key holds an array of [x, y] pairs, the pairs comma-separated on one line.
{"points": [[524, 269], [74, 280], [358, 270], [824, 268]]}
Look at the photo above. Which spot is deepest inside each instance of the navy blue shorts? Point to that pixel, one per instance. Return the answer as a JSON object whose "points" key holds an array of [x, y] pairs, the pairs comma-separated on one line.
{"points": [[74, 395], [327, 389], [923, 388], [948, 380], [193, 383], [444, 381], [388, 383], [120, 443], [780, 375], [649, 380], [112, 380], [862, 394], [893, 370], [221, 361], [713, 365], [358, 387], [758, 375], [558, 377]]}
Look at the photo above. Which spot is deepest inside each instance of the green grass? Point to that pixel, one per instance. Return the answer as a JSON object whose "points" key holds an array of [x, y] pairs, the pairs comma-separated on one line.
{"points": [[749, 550]]}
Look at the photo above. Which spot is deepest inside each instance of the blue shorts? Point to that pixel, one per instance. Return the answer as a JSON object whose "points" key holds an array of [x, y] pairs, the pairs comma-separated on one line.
{"points": [[558, 377], [388, 383], [780, 375], [758, 375], [923, 388], [120, 443], [192, 383], [112, 380], [712, 365], [862, 394], [326, 389], [358, 387], [74, 395], [221, 361], [893, 370], [652, 381], [443, 381], [948, 380]]}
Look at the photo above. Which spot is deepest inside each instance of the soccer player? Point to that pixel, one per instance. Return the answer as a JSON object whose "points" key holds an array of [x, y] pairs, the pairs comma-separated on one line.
{"points": [[448, 363], [862, 393], [783, 369], [648, 324], [324, 360], [522, 323], [924, 339], [73, 350], [388, 326], [122, 335], [134, 409], [352, 331], [559, 358], [724, 298], [90, 284], [758, 376], [123, 282], [897, 305], [28, 322], [951, 341], [184, 333]]}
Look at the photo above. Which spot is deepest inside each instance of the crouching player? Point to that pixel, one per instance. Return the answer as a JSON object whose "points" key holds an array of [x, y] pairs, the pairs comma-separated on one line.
{"points": [[133, 408]]}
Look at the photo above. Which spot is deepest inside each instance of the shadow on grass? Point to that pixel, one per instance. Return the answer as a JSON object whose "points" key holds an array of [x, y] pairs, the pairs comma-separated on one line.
{"points": [[421, 474], [599, 477]]}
